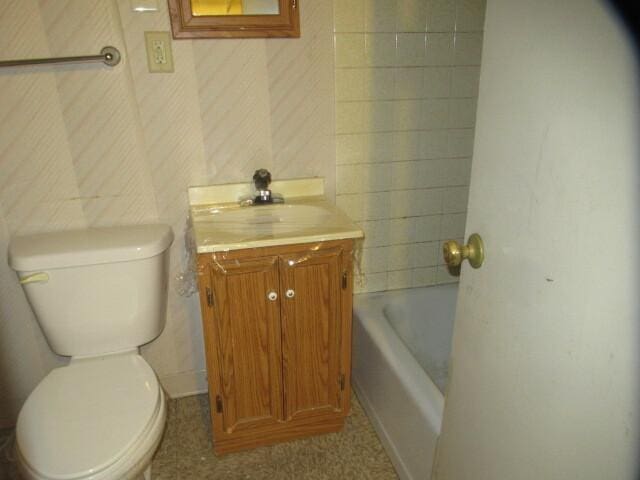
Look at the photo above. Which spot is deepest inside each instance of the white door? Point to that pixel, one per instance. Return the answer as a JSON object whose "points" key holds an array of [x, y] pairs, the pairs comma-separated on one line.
{"points": [[545, 373]]}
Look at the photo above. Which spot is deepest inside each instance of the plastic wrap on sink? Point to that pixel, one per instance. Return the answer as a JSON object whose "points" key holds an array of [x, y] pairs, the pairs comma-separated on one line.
{"points": [[230, 227], [187, 280]]}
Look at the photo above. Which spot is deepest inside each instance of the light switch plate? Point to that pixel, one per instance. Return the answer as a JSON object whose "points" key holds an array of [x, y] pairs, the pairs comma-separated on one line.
{"points": [[159, 54]]}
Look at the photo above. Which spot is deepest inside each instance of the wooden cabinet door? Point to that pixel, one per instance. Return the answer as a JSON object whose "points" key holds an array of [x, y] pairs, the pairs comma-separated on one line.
{"points": [[311, 332], [248, 339]]}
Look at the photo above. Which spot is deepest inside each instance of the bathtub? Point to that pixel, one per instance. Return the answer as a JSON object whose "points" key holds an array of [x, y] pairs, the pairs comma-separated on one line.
{"points": [[401, 346]]}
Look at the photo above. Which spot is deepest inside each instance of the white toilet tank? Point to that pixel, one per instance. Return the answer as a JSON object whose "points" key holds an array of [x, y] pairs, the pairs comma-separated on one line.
{"points": [[96, 291]]}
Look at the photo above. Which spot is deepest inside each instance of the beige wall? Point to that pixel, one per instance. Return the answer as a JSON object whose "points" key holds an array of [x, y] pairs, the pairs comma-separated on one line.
{"points": [[92, 146], [406, 87]]}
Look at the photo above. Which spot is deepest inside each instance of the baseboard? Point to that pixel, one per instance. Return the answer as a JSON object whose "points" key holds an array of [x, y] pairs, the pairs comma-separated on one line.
{"points": [[184, 384]]}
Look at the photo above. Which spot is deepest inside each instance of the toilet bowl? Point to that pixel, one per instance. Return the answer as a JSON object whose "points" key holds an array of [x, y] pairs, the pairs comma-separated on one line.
{"points": [[97, 418], [98, 295]]}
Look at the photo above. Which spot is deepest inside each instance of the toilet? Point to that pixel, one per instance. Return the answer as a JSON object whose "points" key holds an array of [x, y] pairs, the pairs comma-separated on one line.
{"points": [[98, 294]]}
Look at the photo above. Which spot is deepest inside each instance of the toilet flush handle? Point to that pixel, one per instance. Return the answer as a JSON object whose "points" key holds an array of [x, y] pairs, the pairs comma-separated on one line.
{"points": [[35, 278]]}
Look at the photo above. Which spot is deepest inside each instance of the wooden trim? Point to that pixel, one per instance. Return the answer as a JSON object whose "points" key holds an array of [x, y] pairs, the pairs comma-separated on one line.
{"points": [[346, 305], [185, 25], [281, 433]]}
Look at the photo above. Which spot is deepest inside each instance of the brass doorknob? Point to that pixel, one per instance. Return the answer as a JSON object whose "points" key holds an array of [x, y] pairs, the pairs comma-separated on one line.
{"points": [[454, 253]]}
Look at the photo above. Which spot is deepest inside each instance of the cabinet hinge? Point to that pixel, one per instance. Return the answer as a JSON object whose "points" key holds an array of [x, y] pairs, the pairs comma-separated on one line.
{"points": [[209, 297], [341, 381], [218, 404], [294, 4], [344, 280]]}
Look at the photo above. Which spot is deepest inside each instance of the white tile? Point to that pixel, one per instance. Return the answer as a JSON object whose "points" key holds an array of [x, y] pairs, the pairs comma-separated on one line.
{"points": [[349, 179], [411, 49], [350, 49], [350, 84], [445, 172], [453, 225], [349, 149], [352, 205], [376, 178], [460, 143], [468, 48], [470, 15], [407, 145], [437, 82], [403, 204], [455, 199], [429, 201], [399, 257], [379, 83], [427, 228], [350, 117], [411, 16], [376, 282], [401, 230], [434, 144], [435, 173], [405, 176], [407, 115], [441, 15], [348, 16], [376, 233], [376, 206], [399, 279], [379, 116], [380, 15], [414, 203], [439, 49], [378, 147], [462, 112], [380, 49], [423, 277], [409, 83], [375, 260], [465, 81], [425, 254], [435, 113]]}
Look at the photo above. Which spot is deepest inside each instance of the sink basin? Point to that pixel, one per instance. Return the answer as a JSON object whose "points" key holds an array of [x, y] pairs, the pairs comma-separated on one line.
{"points": [[280, 219], [221, 225]]}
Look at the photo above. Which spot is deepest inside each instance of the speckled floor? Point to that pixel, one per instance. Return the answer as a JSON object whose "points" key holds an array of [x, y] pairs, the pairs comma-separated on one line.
{"points": [[186, 452]]}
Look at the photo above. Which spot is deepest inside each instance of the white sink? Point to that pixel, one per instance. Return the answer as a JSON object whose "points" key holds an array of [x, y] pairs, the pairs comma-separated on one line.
{"points": [[221, 225], [279, 219]]}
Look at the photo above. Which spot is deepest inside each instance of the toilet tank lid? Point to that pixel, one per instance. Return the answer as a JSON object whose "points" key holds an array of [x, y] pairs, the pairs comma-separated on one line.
{"points": [[90, 246]]}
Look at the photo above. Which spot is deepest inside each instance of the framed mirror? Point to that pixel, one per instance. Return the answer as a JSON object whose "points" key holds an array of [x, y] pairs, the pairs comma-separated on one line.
{"points": [[234, 18]]}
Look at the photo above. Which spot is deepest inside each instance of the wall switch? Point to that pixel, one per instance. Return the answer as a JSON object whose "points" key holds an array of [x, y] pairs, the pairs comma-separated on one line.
{"points": [[159, 55]]}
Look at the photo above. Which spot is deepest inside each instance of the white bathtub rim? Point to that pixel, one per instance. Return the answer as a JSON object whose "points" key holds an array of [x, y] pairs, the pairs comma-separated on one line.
{"points": [[369, 310], [392, 451]]}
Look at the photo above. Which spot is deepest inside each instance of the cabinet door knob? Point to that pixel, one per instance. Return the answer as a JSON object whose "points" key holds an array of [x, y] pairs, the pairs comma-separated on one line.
{"points": [[290, 293], [273, 296]]}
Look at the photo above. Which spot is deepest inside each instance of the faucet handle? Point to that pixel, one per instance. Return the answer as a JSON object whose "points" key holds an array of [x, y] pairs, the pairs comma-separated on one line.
{"points": [[262, 179]]}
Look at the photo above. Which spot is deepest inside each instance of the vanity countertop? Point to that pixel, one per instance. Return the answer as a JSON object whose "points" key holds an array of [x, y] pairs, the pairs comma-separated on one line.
{"points": [[221, 225]]}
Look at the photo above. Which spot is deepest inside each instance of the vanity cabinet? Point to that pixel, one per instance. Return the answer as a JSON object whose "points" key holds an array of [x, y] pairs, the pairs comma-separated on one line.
{"points": [[277, 330]]}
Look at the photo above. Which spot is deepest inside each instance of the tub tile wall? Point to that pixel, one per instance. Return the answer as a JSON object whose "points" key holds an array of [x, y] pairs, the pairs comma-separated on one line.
{"points": [[407, 74]]}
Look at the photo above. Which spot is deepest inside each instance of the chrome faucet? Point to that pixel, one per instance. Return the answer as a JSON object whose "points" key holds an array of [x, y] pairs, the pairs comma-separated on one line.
{"points": [[261, 180]]}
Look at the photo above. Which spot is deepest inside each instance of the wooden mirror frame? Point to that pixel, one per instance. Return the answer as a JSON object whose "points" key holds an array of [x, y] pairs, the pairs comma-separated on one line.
{"points": [[185, 25]]}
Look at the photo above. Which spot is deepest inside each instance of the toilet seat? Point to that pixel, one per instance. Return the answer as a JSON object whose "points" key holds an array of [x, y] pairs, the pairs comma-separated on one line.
{"points": [[91, 417]]}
